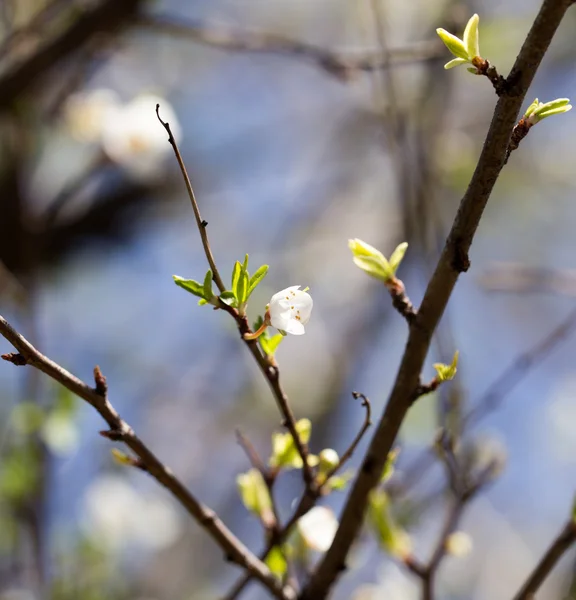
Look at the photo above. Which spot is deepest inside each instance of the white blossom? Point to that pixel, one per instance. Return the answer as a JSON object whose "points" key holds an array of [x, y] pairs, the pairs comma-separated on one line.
{"points": [[290, 310], [318, 528], [86, 112], [133, 138]]}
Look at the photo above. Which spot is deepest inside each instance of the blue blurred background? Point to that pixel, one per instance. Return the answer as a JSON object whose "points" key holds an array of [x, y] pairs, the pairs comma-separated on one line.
{"points": [[289, 157]]}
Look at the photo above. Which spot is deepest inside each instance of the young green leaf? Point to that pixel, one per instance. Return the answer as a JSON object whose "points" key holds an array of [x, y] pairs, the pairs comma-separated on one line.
{"points": [[242, 288], [390, 535], [254, 493], [207, 288], [447, 372], [284, 451], [470, 37], [456, 62], [338, 483], [397, 256], [273, 342], [257, 278], [245, 264], [276, 562], [390, 465], [189, 285], [236, 277], [454, 44], [229, 298]]}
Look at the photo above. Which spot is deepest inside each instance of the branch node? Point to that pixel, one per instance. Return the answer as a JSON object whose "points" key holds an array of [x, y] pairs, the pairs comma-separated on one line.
{"points": [[15, 358], [114, 435], [400, 300], [460, 260]]}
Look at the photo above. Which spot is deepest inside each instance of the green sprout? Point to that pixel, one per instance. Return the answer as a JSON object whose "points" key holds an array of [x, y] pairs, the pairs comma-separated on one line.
{"points": [[447, 372], [465, 50], [373, 262], [539, 110]]}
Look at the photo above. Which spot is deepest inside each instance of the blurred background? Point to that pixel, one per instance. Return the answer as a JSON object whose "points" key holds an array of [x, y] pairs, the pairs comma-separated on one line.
{"points": [[302, 124]]}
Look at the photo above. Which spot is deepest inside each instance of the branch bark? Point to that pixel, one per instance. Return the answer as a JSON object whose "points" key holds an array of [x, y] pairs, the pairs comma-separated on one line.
{"points": [[333, 62], [560, 545], [97, 397], [453, 261], [106, 16]]}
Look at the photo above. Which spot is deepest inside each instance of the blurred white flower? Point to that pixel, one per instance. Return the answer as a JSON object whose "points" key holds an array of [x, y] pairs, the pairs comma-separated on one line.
{"points": [[60, 433], [318, 528], [86, 112], [133, 138], [119, 516], [459, 544], [290, 310]]}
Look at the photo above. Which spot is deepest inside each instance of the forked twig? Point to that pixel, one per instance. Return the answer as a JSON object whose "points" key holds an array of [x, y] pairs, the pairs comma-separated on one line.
{"points": [[97, 397]]}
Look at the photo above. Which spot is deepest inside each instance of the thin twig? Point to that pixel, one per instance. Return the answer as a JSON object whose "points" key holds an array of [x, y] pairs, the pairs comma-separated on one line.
{"points": [[270, 372], [199, 220], [557, 549], [309, 496], [351, 449], [518, 369], [333, 62], [270, 520], [499, 388], [400, 300], [61, 38], [252, 454], [306, 502], [453, 261], [462, 492], [97, 397]]}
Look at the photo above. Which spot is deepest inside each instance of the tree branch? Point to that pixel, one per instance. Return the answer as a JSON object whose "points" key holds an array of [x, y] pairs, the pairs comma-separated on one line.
{"points": [[335, 63], [97, 397], [105, 16], [199, 221], [270, 372], [453, 261], [352, 448], [560, 545]]}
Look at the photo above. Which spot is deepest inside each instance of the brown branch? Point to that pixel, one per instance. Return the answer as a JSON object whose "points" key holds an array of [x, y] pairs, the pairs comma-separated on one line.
{"points": [[97, 397], [270, 372], [199, 220], [453, 260], [400, 300], [106, 16], [309, 496], [518, 369], [462, 492], [307, 501], [335, 63], [352, 448], [252, 454], [484, 67], [558, 548]]}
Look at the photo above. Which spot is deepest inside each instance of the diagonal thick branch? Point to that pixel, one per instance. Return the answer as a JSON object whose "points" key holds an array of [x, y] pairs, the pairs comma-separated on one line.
{"points": [[453, 261], [565, 540], [97, 397]]}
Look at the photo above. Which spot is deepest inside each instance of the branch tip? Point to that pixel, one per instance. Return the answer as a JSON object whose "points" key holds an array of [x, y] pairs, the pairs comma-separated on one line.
{"points": [[100, 381]]}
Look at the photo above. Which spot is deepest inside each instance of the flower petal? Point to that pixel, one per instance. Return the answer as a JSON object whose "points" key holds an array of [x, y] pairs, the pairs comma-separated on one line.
{"points": [[294, 327]]}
